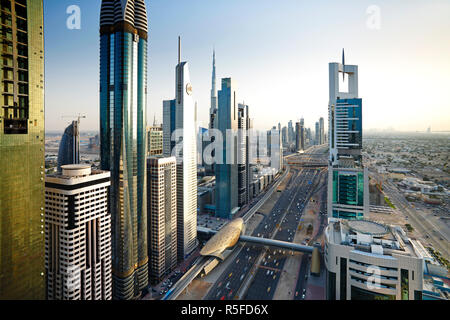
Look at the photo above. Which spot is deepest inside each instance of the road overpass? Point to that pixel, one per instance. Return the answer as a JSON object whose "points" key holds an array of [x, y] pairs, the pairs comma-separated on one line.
{"points": [[223, 240]]}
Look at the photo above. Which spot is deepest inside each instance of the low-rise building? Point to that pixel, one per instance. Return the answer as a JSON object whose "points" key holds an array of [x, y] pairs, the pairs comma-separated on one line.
{"points": [[366, 260]]}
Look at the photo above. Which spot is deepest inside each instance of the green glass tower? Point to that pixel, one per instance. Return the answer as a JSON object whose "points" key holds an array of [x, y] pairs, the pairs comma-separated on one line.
{"points": [[22, 150]]}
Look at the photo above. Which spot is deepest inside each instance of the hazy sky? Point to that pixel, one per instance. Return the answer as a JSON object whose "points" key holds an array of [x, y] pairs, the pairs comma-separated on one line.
{"points": [[278, 53]]}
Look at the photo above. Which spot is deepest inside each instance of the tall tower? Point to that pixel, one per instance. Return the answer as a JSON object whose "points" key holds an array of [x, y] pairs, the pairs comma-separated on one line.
{"points": [[243, 156], [180, 140], [213, 109], [226, 168], [317, 134], [69, 147], [22, 198], [123, 100], [348, 193], [162, 216], [322, 131], [78, 238]]}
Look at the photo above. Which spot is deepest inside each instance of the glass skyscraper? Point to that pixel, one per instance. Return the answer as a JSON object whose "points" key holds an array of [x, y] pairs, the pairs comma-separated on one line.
{"points": [[69, 147], [22, 199], [348, 194], [227, 185], [123, 99]]}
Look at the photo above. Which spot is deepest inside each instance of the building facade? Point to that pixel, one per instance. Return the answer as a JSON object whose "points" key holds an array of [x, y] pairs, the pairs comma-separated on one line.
{"points": [[22, 198], [226, 168], [69, 147], [123, 100], [322, 131], [180, 140], [348, 187], [366, 260], [78, 234], [162, 216], [243, 156], [155, 141], [317, 134]]}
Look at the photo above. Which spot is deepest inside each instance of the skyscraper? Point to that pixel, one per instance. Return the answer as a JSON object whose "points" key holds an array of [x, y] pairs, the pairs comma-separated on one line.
{"points": [[123, 100], [322, 131], [348, 190], [180, 124], [22, 198], [169, 108], [213, 108], [284, 136], [243, 156], [162, 216], [226, 168], [298, 132], [291, 133], [69, 147], [78, 234], [155, 140], [317, 134]]}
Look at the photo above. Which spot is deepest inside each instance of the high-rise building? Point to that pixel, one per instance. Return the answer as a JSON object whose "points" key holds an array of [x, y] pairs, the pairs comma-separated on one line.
{"points": [[243, 156], [366, 260], [169, 108], [213, 108], [123, 100], [180, 140], [322, 131], [284, 136], [348, 187], [69, 147], [162, 216], [298, 138], [226, 168], [317, 134], [291, 133], [78, 234], [155, 140], [22, 199]]}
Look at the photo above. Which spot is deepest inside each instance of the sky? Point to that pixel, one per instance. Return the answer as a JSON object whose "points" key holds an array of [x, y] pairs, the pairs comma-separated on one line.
{"points": [[277, 52]]}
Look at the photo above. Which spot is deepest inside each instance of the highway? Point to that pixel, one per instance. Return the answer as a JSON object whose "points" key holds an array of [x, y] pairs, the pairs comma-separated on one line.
{"points": [[268, 272], [286, 213]]}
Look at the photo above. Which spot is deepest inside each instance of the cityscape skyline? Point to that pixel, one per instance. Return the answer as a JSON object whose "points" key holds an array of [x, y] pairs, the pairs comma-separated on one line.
{"points": [[258, 67], [223, 194]]}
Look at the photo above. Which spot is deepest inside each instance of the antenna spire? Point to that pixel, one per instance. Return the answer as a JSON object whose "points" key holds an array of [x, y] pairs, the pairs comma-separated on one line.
{"points": [[343, 64], [179, 49]]}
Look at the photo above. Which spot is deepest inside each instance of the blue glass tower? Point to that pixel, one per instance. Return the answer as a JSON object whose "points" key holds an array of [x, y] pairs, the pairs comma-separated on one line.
{"points": [[123, 99], [69, 147], [226, 168]]}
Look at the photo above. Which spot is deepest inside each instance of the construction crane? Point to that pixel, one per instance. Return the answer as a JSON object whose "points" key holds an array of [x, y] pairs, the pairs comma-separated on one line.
{"points": [[79, 116]]}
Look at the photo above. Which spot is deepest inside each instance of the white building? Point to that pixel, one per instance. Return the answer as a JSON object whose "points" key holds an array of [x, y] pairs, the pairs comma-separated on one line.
{"points": [[180, 125], [78, 234], [162, 216], [366, 260]]}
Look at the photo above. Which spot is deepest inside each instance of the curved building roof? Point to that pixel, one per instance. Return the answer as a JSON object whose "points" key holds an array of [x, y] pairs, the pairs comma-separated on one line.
{"points": [[367, 227], [132, 11], [226, 238]]}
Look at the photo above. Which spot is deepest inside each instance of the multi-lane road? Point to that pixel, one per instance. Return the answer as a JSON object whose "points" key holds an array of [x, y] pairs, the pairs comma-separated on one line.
{"points": [[254, 273], [427, 228]]}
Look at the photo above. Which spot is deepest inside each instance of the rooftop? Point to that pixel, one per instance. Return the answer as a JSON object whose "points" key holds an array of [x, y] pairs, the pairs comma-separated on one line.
{"points": [[372, 237]]}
